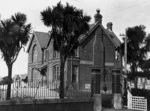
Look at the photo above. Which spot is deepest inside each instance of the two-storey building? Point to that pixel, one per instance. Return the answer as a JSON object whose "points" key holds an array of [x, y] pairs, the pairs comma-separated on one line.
{"points": [[96, 48]]}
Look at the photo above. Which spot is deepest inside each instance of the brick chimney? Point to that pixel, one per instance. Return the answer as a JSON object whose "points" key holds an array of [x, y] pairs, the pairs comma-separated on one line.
{"points": [[98, 16], [109, 26]]}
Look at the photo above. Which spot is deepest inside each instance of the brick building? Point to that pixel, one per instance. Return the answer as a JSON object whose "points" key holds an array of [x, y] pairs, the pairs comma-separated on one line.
{"points": [[96, 48]]}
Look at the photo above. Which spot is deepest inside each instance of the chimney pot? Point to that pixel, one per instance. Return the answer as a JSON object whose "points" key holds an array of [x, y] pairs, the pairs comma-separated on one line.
{"points": [[98, 16], [109, 26]]}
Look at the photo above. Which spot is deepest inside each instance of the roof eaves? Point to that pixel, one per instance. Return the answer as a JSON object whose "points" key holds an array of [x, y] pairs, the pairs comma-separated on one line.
{"points": [[48, 42], [28, 48], [37, 39], [108, 35], [90, 31]]}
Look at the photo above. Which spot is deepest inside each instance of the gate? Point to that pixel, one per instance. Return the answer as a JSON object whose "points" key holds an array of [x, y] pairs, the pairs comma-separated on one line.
{"points": [[136, 102]]}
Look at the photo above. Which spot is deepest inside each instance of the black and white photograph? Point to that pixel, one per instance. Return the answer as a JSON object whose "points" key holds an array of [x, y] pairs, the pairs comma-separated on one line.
{"points": [[74, 55]]}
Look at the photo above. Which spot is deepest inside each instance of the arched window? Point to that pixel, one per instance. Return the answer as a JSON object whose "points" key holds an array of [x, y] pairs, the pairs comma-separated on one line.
{"points": [[45, 58], [34, 54], [56, 72]]}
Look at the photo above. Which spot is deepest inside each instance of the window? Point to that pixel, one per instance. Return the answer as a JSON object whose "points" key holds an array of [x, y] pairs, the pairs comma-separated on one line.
{"points": [[76, 52], [55, 54], [33, 75], [117, 56], [34, 54], [75, 74], [45, 58], [148, 81], [56, 72]]}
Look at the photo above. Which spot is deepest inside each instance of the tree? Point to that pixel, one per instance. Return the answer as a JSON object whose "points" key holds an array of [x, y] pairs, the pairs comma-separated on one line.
{"points": [[14, 35], [137, 47], [146, 64], [67, 24]]}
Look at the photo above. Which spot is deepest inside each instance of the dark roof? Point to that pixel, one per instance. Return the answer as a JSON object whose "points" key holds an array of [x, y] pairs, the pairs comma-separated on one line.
{"points": [[83, 35], [5, 80], [42, 66], [42, 38], [110, 34], [114, 37], [23, 76]]}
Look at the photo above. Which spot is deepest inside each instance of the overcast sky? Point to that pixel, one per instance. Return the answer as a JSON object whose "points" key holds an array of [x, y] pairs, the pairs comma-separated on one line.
{"points": [[122, 13]]}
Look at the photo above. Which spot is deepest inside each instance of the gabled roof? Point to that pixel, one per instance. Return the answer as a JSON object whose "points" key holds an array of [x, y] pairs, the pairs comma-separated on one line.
{"points": [[114, 37], [44, 38], [22, 76], [41, 37], [109, 33]]}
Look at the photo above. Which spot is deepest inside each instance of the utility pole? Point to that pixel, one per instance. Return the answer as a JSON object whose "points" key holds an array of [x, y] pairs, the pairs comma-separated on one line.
{"points": [[125, 54], [125, 69]]}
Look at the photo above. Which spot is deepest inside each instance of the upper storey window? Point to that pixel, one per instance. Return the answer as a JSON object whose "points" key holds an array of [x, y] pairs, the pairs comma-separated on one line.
{"points": [[45, 58], [56, 54], [34, 54], [76, 52], [117, 56]]}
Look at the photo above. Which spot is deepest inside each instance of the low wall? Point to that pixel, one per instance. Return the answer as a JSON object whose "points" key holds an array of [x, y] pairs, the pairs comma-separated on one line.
{"points": [[47, 105]]}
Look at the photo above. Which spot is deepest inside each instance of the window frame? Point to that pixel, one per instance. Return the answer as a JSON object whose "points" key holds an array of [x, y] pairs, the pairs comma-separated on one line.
{"points": [[117, 55], [76, 52], [56, 72], [33, 75], [56, 54], [75, 71], [34, 54], [45, 58]]}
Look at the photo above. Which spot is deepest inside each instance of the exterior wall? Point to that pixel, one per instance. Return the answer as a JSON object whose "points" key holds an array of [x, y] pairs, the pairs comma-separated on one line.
{"points": [[70, 62], [85, 60], [51, 61], [50, 49], [109, 50], [32, 65], [86, 49]]}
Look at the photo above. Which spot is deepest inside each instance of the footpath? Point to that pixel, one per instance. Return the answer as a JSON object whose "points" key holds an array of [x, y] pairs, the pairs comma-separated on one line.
{"points": [[106, 109], [124, 109]]}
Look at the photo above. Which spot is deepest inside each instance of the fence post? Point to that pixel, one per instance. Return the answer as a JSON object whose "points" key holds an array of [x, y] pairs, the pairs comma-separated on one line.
{"points": [[97, 102], [117, 99], [95, 88]]}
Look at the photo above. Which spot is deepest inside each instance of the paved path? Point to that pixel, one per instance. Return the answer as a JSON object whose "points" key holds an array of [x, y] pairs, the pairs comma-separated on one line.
{"points": [[106, 109], [119, 110]]}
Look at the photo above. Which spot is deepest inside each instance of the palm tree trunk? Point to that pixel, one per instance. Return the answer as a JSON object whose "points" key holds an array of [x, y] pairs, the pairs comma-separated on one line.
{"points": [[62, 65], [9, 81]]}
